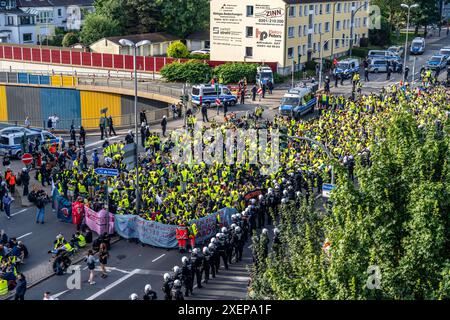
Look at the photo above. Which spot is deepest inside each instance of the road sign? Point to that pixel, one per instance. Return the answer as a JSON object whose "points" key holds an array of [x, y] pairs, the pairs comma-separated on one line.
{"points": [[27, 159], [107, 172], [218, 102], [259, 91], [326, 189]]}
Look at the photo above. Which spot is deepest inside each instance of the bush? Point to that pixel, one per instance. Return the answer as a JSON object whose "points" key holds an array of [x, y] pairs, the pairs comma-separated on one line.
{"points": [[360, 52], [199, 56], [234, 72], [310, 65], [70, 39], [364, 42], [177, 49], [192, 71]]}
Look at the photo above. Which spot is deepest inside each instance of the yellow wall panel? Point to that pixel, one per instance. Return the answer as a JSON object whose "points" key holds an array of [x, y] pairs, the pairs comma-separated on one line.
{"points": [[55, 81], [3, 104], [93, 102], [68, 81]]}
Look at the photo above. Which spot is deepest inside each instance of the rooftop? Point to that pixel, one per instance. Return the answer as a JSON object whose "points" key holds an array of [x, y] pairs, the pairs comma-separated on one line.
{"points": [[155, 37]]}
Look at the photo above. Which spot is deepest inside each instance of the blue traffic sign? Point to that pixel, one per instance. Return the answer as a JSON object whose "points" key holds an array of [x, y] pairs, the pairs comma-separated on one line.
{"points": [[326, 189], [107, 172]]}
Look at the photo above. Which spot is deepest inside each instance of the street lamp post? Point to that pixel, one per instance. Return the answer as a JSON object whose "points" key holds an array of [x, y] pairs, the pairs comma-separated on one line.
{"points": [[352, 20], [135, 46], [409, 7]]}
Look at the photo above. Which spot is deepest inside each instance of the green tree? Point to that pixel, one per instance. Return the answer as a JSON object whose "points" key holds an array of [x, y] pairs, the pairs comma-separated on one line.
{"points": [[184, 17], [177, 49], [233, 72], [69, 39], [97, 27], [192, 71]]}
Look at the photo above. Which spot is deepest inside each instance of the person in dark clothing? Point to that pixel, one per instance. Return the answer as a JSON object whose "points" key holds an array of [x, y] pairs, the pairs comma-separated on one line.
{"points": [[264, 88], [406, 73], [21, 287], [388, 70], [102, 126], [366, 74], [186, 271], [270, 86], [25, 179], [111, 126], [73, 134], [143, 117], [129, 138], [205, 113], [164, 125], [143, 135], [336, 80], [225, 109], [167, 287], [254, 91], [242, 96], [82, 135], [149, 294]]}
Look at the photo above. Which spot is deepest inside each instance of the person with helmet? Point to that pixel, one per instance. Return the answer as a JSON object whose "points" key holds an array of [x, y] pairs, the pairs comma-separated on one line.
{"points": [[134, 296], [245, 226], [167, 286], [176, 273], [206, 264], [265, 242], [129, 139], [221, 248], [149, 294], [230, 235], [261, 211], [215, 258], [276, 242], [186, 272], [238, 242], [176, 293], [197, 267], [25, 181]]}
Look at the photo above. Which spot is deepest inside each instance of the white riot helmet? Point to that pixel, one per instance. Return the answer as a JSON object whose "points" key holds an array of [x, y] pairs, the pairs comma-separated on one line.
{"points": [[195, 251], [233, 217], [270, 190], [233, 226], [205, 250], [252, 201], [261, 197], [184, 260], [213, 239], [130, 132], [238, 229], [210, 246], [177, 283], [166, 276], [238, 215], [276, 231], [218, 235], [284, 200], [285, 192], [134, 296], [298, 194], [176, 269], [147, 288], [108, 161], [224, 230], [265, 231]]}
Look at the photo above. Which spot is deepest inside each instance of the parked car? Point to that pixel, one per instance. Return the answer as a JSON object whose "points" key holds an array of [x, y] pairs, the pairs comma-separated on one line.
{"points": [[437, 62], [445, 52], [398, 50], [202, 51]]}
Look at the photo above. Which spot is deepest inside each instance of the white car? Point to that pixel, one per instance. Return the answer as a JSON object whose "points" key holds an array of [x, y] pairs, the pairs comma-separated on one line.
{"points": [[202, 51]]}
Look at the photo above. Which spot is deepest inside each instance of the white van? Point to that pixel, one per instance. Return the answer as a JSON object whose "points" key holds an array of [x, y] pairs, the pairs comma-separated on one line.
{"points": [[417, 46], [385, 54]]}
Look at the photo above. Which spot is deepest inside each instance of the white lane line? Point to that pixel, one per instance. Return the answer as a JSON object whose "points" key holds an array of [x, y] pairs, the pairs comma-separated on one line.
{"points": [[101, 141], [25, 235], [55, 296], [159, 257], [112, 285], [19, 212]]}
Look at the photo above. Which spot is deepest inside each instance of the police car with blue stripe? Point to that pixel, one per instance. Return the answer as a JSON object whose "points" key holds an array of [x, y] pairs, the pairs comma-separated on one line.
{"points": [[11, 139], [208, 94], [346, 68], [298, 101]]}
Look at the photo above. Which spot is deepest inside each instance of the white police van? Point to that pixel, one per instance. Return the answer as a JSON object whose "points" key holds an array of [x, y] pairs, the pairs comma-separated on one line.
{"points": [[297, 102], [417, 46], [11, 139], [205, 94], [346, 68]]}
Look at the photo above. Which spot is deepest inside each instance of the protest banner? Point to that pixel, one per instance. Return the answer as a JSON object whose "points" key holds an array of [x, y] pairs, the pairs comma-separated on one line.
{"points": [[96, 221], [62, 206]]}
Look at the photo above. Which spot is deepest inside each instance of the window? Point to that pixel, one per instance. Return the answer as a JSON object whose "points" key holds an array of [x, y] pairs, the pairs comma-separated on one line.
{"points": [[290, 53], [316, 9], [345, 7], [314, 46], [318, 46], [336, 43], [27, 37], [299, 49], [325, 46], [249, 51], [338, 8], [320, 28], [344, 24], [292, 11], [305, 10], [315, 28], [299, 31], [59, 12], [10, 21], [291, 32], [327, 27], [328, 8], [338, 25], [304, 49], [300, 11], [249, 11], [305, 31], [249, 32]]}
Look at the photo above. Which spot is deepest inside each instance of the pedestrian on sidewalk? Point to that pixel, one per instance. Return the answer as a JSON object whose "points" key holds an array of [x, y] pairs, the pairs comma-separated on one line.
{"points": [[103, 258], [91, 261], [164, 125], [242, 96], [254, 91], [388, 70], [103, 127], [73, 134], [7, 205], [111, 126], [82, 135], [21, 287], [205, 113], [366, 74], [25, 180]]}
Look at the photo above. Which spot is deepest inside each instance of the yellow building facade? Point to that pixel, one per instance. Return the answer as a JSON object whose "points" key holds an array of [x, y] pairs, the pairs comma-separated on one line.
{"points": [[285, 31]]}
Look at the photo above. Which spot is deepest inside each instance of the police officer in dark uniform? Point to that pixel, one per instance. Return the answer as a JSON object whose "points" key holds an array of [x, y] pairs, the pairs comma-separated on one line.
{"points": [[222, 249], [238, 242], [212, 259], [206, 263], [228, 244], [245, 226], [215, 253], [197, 267], [186, 271], [149, 294], [176, 293], [265, 242], [276, 244], [167, 287], [261, 211]]}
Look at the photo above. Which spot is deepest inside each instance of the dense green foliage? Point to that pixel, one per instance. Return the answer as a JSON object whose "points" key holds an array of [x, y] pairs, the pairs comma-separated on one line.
{"points": [[177, 49], [97, 27], [69, 39], [192, 71], [234, 72]]}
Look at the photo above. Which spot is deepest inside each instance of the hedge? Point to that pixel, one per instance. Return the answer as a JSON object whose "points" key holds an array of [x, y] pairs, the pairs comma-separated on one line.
{"points": [[234, 72], [192, 71]]}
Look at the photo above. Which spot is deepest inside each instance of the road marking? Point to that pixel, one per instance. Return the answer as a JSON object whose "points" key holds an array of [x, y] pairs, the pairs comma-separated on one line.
{"points": [[101, 141], [112, 285], [27, 234], [159, 257], [18, 212], [55, 296]]}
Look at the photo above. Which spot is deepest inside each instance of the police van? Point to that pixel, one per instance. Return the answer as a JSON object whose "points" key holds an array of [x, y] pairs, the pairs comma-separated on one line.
{"points": [[264, 75], [417, 46], [297, 102], [206, 94], [10, 140], [346, 68]]}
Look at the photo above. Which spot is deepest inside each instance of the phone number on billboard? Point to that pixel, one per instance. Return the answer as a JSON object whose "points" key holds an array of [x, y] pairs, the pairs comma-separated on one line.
{"points": [[271, 21]]}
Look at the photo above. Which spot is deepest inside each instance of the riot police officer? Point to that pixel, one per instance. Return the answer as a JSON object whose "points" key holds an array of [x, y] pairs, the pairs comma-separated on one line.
{"points": [[245, 227], [212, 261], [261, 211], [186, 272], [238, 242], [276, 244], [222, 248], [206, 261], [167, 287], [176, 293], [197, 267], [228, 245], [265, 242], [215, 253]]}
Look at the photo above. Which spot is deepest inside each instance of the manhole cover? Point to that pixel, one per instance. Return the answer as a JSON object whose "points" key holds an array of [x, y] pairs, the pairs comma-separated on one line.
{"points": [[121, 256]]}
